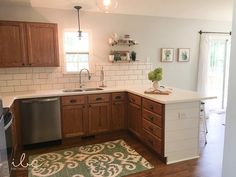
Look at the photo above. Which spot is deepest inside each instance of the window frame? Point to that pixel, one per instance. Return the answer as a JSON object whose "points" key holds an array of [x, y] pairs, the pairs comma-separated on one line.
{"points": [[89, 52]]}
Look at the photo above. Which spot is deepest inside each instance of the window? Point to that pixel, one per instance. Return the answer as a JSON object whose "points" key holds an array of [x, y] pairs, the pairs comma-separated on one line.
{"points": [[76, 51]]}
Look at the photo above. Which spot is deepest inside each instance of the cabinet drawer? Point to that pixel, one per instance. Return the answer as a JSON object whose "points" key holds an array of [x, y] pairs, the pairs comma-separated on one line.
{"points": [[152, 128], [153, 142], [154, 118], [73, 100], [118, 96], [134, 99], [99, 98], [152, 106]]}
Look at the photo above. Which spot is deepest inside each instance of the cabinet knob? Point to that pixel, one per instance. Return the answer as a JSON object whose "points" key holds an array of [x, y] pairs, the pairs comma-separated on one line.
{"points": [[30, 64], [150, 128], [23, 64], [151, 107]]}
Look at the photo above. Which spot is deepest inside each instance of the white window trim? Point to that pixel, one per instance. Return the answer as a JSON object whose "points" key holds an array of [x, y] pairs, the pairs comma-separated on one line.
{"points": [[90, 53]]}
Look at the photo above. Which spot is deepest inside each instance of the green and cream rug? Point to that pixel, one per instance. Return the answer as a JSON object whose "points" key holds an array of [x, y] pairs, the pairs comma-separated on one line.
{"points": [[110, 159]]}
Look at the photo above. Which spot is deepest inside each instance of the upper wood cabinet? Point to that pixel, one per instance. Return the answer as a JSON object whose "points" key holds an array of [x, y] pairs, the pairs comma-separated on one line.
{"points": [[28, 44], [42, 44], [12, 44]]}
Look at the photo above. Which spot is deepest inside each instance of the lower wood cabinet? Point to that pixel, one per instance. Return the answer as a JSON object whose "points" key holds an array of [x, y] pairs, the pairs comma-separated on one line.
{"points": [[99, 118], [74, 121], [118, 118], [135, 119]]}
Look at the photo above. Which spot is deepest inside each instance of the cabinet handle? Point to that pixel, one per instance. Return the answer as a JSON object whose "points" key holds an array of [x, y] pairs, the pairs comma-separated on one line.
{"points": [[151, 118], [30, 64], [132, 99], [89, 105], [98, 99], [73, 101], [118, 97], [23, 64]]}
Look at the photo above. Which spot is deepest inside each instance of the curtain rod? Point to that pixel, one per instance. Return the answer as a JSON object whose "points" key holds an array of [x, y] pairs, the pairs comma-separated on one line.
{"points": [[201, 32]]}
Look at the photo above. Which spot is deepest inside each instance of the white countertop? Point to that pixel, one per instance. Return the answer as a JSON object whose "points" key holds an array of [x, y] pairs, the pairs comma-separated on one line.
{"points": [[177, 95]]}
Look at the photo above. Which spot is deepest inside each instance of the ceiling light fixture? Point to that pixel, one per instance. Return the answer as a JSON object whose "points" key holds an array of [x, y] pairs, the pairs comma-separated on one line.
{"points": [[107, 5], [79, 30]]}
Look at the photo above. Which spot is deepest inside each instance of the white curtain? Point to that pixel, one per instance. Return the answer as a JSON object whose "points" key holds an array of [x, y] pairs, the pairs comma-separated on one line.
{"points": [[203, 64]]}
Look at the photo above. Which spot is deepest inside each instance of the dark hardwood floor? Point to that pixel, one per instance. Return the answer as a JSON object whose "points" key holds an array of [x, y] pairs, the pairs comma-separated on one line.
{"points": [[208, 165]]}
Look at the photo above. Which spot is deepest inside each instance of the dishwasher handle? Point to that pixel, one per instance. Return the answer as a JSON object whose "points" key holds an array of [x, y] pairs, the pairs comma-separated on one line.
{"points": [[44, 100]]}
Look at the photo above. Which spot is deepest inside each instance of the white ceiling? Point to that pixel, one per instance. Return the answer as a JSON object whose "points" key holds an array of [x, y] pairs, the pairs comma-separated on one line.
{"points": [[197, 9]]}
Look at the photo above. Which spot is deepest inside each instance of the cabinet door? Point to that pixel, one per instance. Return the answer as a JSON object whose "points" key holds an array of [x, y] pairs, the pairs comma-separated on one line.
{"points": [[12, 44], [135, 119], [74, 121], [99, 116], [118, 116], [42, 44]]}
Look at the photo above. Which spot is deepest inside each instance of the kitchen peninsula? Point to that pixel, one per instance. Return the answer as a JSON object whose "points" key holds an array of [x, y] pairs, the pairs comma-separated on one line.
{"points": [[168, 124]]}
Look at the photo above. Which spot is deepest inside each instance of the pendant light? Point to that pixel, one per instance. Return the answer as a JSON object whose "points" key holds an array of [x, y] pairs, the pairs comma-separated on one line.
{"points": [[107, 5], [79, 30]]}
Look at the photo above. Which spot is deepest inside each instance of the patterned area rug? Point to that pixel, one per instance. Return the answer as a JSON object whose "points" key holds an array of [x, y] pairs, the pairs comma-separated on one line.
{"points": [[110, 159]]}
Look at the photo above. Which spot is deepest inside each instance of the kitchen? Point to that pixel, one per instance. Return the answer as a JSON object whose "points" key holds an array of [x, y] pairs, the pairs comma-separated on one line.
{"points": [[49, 80]]}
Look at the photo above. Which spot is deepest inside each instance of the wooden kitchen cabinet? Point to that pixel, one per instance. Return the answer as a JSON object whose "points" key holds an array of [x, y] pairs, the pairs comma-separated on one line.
{"points": [[74, 116], [135, 114], [25, 44], [74, 121], [118, 117], [42, 44], [99, 118], [12, 44]]}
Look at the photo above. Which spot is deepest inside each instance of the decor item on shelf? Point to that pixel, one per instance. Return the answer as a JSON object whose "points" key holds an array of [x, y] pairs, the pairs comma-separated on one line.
{"points": [[107, 5], [133, 55], [183, 54], [167, 54], [155, 76], [102, 78], [127, 56], [79, 30], [111, 56]]}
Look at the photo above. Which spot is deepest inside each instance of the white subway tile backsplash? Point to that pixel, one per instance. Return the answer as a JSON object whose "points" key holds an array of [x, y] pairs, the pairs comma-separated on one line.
{"points": [[32, 79]]}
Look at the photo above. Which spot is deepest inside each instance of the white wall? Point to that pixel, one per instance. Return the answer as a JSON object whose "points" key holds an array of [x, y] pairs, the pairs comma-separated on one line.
{"points": [[152, 33], [229, 162]]}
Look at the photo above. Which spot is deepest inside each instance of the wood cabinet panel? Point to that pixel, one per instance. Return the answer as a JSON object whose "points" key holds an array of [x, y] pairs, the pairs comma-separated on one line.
{"points": [[42, 44], [152, 117], [154, 142], [135, 99], [119, 96], [73, 100], [12, 45], [98, 98], [152, 128], [153, 106], [74, 121], [99, 118], [134, 119], [118, 118]]}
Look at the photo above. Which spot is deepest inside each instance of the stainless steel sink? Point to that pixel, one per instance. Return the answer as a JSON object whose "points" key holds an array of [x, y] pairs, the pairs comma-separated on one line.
{"points": [[92, 89], [72, 90], [83, 89]]}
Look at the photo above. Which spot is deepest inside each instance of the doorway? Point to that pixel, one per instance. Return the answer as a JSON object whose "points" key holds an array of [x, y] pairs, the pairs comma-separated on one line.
{"points": [[214, 69]]}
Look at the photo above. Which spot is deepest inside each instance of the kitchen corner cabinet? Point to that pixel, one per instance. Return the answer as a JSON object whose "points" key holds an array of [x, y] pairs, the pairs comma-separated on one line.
{"points": [[74, 116], [118, 117], [25, 44], [134, 115]]}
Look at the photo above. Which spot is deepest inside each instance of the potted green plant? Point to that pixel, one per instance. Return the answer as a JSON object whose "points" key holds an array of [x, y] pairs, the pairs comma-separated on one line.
{"points": [[155, 76]]}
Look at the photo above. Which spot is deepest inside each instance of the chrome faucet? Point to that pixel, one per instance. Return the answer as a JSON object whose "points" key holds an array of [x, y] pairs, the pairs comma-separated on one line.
{"points": [[80, 74]]}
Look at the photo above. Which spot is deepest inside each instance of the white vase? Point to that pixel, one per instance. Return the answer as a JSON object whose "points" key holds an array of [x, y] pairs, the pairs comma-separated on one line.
{"points": [[155, 85], [111, 58]]}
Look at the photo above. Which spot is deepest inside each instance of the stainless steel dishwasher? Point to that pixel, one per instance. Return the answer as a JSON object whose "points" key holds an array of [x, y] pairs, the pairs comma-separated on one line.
{"points": [[40, 120]]}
